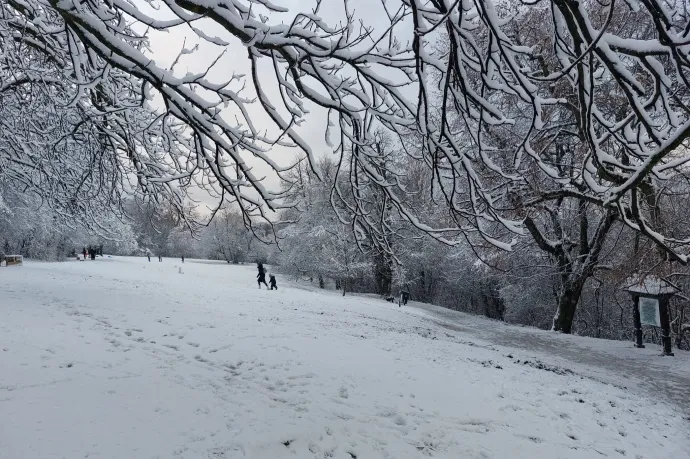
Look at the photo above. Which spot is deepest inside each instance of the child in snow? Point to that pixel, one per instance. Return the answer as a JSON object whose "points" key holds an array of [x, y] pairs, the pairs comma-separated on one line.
{"points": [[272, 281], [261, 278], [405, 296]]}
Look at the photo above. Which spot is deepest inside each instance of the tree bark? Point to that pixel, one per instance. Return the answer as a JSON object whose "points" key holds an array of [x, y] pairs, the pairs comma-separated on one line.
{"points": [[567, 304], [383, 273]]}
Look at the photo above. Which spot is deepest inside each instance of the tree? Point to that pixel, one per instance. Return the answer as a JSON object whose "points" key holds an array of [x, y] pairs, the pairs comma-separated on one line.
{"points": [[228, 236], [487, 74], [31, 228], [154, 225], [73, 129]]}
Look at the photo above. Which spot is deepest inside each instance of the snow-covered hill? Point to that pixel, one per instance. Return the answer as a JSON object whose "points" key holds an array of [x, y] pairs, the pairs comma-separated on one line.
{"points": [[122, 358]]}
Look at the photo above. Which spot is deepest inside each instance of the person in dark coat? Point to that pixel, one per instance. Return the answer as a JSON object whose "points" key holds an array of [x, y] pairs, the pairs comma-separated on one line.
{"points": [[182, 258], [84, 252], [149, 256], [404, 296], [160, 258], [261, 278], [272, 281]]}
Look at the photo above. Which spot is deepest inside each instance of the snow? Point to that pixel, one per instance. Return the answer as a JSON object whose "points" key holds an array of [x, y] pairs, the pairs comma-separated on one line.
{"points": [[649, 284], [125, 358]]}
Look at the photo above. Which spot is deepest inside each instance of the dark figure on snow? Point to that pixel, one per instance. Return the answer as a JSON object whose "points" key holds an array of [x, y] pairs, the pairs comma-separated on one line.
{"points": [[182, 258], [84, 252], [160, 258], [149, 256], [262, 270], [272, 281], [261, 278], [404, 296]]}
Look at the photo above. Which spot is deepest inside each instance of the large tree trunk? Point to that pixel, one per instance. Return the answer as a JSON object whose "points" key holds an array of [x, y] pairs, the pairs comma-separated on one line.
{"points": [[494, 307], [567, 304], [383, 272], [575, 267]]}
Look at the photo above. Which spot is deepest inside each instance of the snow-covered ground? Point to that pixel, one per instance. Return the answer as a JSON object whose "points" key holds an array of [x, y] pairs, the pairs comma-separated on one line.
{"points": [[122, 358]]}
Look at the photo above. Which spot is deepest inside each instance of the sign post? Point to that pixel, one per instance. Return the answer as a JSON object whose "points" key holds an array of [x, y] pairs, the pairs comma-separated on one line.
{"points": [[638, 322], [651, 296]]}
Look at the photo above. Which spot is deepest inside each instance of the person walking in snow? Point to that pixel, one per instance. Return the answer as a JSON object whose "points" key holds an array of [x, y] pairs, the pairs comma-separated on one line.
{"points": [[149, 256], [84, 252], [261, 278], [182, 258], [160, 258], [272, 281], [404, 296]]}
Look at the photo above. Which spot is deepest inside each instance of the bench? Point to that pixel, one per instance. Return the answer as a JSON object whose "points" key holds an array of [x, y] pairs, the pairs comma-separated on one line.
{"points": [[12, 260]]}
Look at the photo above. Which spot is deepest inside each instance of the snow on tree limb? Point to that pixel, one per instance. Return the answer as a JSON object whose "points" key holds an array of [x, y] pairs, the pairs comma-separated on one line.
{"points": [[493, 109]]}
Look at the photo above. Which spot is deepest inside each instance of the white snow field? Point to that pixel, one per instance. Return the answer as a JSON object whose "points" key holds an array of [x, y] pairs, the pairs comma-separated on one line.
{"points": [[125, 358]]}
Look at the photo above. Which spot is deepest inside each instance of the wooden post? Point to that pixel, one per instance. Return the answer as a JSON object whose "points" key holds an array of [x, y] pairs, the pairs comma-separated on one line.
{"points": [[681, 321], [665, 325], [638, 323]]}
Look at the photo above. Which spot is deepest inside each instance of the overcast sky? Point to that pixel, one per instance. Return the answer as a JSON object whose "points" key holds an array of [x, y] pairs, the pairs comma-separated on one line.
{"points": [[166, 46]]}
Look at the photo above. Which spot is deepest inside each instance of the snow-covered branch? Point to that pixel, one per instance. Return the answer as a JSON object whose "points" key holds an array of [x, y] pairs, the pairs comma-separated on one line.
{"points": [[505, 108]]}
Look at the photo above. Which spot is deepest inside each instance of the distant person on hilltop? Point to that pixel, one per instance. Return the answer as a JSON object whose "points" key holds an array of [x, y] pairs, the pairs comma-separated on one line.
{"points": [[272, 281]]}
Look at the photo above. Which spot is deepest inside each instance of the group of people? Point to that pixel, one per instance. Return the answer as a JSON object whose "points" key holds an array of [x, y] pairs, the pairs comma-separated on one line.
{"points": [[404, 298], [160, 258], [91, 252], [261, 278]]}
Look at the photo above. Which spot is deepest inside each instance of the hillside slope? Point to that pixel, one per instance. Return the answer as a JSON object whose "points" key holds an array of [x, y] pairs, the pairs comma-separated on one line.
{"points": [[122, 358]]}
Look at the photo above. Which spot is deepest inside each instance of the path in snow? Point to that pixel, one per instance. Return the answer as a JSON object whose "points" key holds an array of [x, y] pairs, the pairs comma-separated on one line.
{"points": [[122, 358], [657, 376]]}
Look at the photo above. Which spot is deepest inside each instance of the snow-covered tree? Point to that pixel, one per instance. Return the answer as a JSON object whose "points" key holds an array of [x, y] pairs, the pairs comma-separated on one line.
{"points": [[228, 238], [624, 65]]}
